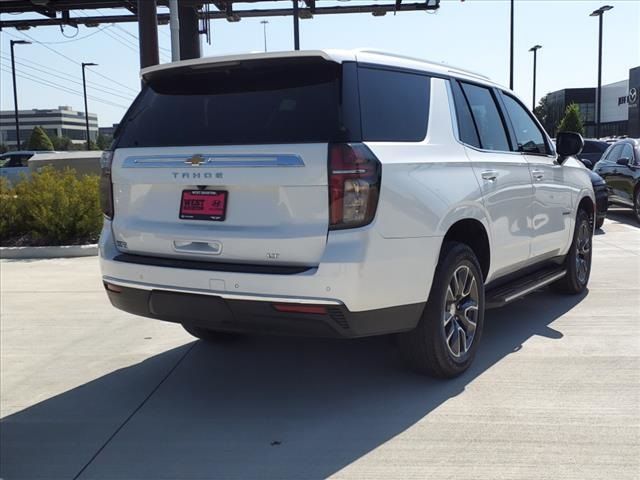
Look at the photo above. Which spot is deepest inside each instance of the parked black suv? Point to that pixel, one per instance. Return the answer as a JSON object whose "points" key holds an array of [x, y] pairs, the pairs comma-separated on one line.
{"points": [[592, 152], [620, 168]]}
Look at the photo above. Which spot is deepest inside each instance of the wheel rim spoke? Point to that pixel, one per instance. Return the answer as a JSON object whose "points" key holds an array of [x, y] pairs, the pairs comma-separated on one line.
{"points": [[461, 311]]}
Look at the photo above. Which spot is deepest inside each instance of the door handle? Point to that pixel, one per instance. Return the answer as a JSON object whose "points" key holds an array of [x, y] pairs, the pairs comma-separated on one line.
{"points": [[537, 174], [489, 175]]}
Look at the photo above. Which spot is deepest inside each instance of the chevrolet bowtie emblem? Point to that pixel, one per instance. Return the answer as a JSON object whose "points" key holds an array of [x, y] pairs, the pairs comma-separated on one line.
{"points": [[195, 161]]}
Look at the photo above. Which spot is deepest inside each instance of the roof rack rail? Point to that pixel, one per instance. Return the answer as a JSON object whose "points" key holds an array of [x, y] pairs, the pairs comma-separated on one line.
{"points": [[450, 68]]}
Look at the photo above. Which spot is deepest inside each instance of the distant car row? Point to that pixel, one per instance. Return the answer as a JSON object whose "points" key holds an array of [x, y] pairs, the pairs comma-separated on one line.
{"points": [[19, 164]]}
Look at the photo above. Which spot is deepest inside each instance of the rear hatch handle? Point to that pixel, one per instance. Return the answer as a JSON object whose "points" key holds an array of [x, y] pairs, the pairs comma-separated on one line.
{"points": [[206, 248]]}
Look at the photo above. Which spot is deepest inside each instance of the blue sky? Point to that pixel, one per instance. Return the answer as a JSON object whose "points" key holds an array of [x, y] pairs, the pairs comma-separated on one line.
{"points": [[473, 34]]}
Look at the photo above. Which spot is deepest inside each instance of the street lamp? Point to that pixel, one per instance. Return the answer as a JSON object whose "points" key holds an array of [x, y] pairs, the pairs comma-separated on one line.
{"points": [[534, 49], [86, 108], [15, 91], [264, 25], [599, 13]]}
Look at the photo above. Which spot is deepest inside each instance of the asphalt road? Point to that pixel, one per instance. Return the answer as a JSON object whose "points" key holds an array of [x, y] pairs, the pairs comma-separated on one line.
{"points": [[93, 393]]}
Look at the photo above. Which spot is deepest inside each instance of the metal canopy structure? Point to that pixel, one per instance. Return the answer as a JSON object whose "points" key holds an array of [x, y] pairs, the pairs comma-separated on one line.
{"points": [[60, 12], [190, 17]]}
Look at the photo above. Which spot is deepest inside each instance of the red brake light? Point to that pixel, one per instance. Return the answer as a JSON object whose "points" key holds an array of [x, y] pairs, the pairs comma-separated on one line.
{"points": [[354, 185], [106, 186]]}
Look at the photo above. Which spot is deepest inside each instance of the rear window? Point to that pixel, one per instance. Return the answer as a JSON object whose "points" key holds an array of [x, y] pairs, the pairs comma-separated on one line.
{"points": [[594, 147], [394, 105], [255, 102]]}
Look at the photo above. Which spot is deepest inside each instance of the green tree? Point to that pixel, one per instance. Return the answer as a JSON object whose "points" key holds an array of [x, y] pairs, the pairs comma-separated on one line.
{"points": [[61, 144], [571, 121], [103, 141], [542, 112], [39, 140], [3, 148]]}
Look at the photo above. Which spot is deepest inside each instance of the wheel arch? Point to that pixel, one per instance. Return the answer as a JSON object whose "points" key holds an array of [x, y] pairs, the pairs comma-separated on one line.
{"points": [[473, 233]]}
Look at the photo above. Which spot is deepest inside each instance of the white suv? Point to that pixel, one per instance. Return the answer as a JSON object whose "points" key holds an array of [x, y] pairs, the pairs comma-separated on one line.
{"points": [[338, 193]]}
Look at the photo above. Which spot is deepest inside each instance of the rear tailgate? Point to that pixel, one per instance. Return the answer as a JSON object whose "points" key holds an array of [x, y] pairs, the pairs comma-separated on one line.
{"points": [[229, 162]]}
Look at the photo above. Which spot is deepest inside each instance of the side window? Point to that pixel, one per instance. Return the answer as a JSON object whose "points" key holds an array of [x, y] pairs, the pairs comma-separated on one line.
{"points": [[487, 118], [394, 106], [466, 128], [614, 154], [529, 137], [627, 152]]}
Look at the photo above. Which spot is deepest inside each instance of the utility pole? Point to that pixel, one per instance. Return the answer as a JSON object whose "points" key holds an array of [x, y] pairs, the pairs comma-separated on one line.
{"points": [[264, 25], [86, 108], [534, 49], [511, 50], [296, 26], [599, 13], [15, 90]]}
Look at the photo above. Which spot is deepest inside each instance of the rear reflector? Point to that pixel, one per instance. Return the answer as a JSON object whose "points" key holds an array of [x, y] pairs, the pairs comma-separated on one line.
{"points": [[112, 288], [297, 308]]}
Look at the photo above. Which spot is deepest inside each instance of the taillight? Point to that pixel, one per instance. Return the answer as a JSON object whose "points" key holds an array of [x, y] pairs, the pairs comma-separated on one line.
{"points": [[354, 185], [106, 186]]}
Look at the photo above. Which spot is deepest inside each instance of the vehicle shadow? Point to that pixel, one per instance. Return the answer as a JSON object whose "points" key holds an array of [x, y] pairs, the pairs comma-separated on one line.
{"points": [[282, 408], [622, 215]]}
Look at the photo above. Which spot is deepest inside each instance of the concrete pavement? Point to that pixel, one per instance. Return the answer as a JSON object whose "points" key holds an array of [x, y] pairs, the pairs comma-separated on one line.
{"points": [[93, 393]]}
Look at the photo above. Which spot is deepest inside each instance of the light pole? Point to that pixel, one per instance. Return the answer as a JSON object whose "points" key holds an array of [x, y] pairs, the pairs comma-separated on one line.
{"points": [[511, 51], [534, 49], [86, 108], [599, 13], [264, 29], [15, 91]]}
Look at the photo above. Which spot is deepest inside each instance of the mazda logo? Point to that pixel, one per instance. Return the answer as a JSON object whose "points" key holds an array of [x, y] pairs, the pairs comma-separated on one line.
{"points": [[633, 95]]}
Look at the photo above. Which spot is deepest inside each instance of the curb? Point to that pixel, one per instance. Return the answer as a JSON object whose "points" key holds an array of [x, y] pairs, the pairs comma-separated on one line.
{"points": [[65, 251]]}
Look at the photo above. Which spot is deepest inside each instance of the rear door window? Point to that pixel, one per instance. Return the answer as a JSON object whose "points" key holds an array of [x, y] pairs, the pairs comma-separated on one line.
{"points": [[487, 118], [394, 105], [466, 128], [255, 102]]}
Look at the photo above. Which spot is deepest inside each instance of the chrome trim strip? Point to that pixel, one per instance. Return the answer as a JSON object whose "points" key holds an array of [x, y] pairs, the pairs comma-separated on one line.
{"points": [[535, 287], [213, 161], [228, 295]]}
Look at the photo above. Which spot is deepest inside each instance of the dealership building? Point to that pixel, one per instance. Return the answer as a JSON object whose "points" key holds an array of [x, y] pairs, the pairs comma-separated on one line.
{"points": [[61, 122], [620, 111]]}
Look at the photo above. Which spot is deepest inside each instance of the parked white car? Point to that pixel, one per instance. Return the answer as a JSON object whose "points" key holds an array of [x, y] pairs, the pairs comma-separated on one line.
{"points": [[338, 193]]}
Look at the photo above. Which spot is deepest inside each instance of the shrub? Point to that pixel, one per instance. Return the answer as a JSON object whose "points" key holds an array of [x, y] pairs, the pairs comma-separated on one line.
{"points": [[571, 121], [10, 222], [39, 140], [53, 207]]}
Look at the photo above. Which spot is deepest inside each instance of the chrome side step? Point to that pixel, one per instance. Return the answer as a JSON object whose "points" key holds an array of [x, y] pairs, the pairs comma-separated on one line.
{"points": [[502, 295]]}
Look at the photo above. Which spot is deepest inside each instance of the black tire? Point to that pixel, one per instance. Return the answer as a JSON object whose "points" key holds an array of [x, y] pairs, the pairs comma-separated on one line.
{"points": [[577, 277], [426, 348], [636, 205], [600, 222], [211, 336]]}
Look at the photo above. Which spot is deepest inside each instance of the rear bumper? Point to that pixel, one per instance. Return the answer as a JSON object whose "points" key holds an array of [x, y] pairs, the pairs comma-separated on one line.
{"points": [[246, 316], [379, 285]]}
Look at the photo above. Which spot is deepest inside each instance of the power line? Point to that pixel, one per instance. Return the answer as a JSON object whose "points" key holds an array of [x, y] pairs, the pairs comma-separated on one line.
{"points": [[77, 82], [72, 60], [62, 88], [91, 83]]}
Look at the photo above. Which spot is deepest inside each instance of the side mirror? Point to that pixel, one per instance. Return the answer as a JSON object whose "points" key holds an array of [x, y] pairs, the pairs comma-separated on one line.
{"points": [[568, 144], [623, 161], [587, 163]]}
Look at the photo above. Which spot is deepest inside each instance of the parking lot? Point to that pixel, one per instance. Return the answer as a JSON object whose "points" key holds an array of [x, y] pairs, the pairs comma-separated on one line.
{"points": [[90, 392]]}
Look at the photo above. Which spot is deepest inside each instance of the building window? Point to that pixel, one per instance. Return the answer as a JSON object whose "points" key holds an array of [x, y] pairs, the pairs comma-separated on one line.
{"points": [[587, 112]]}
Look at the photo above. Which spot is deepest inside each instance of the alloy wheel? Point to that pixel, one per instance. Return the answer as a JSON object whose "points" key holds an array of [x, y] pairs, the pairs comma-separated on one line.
{"points": [[583, 253], [460, 314]]}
